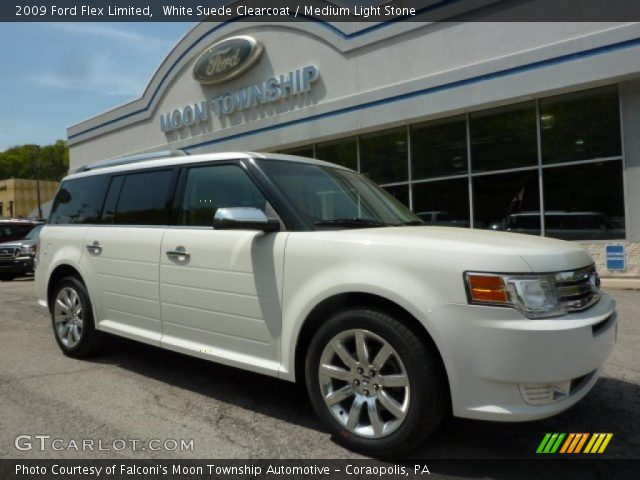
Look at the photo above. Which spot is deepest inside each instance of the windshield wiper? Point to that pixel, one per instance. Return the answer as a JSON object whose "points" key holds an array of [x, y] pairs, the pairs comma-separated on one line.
{"points": [[412, 222], [352, 222]]}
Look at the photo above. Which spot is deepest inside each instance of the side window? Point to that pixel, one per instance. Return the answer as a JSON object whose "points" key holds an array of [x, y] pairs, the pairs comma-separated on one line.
{"points": [[212, 187], [143, 198], [78, 200]]}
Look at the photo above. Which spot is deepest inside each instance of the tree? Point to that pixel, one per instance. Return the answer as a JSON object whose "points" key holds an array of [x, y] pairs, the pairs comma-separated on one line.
{"points": [[18, 161]]}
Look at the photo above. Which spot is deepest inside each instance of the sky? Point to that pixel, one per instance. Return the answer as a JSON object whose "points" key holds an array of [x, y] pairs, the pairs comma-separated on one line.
{"points": [[53, 75]]}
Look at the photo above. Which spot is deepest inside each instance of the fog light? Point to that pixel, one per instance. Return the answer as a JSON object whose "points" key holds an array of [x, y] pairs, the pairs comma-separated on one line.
{"points": [[544, 394]]}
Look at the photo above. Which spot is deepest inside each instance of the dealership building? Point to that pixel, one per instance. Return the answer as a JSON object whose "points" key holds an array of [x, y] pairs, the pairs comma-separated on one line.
{"points": [[506, 126]]}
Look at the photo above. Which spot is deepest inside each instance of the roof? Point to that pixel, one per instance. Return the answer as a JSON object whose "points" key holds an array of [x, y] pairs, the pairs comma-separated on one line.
{"points": [[181, 159]]}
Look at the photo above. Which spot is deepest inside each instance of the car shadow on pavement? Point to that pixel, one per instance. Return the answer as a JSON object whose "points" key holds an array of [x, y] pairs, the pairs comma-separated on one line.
{"points": [[612, 406], [225, 384]]}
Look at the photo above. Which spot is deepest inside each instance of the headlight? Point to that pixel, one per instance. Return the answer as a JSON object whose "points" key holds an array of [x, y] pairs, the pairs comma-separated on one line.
{"points": [[27, 250], [536, 296]]}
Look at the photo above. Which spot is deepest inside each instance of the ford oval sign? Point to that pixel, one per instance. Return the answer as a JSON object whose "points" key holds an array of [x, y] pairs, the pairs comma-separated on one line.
{"points": [[227, 59]]}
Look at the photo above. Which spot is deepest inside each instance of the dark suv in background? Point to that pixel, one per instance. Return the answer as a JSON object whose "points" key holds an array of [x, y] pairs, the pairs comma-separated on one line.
{"points": [[18, 243]]}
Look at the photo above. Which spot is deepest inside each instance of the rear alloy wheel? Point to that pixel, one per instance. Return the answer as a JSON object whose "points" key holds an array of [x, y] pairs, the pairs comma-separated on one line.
{"points": [[68, 316], [72, 318], [377, 387]]}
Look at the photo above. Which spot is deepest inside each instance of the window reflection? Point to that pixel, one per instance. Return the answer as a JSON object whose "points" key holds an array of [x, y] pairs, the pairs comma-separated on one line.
{"points": [[400, 193], [304, 151], [439, 148], [508, 201], [383, 156], [584, 201], [444, 203], [580, 126], [342, 152], [503, 138]]}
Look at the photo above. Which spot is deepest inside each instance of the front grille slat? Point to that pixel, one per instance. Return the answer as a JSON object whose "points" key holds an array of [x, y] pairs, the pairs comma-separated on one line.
{"points": [[8, 252], [576, 290]]}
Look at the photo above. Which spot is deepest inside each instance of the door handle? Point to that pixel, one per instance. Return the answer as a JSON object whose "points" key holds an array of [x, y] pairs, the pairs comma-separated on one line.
{"points": [[178, 255], [95, 248]]}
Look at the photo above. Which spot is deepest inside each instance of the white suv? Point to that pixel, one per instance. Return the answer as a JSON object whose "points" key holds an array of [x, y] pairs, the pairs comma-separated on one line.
{"points": [[305, 270]]}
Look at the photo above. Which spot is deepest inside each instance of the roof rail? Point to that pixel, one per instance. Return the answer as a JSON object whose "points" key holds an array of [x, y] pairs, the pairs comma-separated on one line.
{"points": [[112, 162]]}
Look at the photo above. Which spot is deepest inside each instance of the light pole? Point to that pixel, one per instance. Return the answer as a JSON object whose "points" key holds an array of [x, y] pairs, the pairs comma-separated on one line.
{"points": [[35, 159]]}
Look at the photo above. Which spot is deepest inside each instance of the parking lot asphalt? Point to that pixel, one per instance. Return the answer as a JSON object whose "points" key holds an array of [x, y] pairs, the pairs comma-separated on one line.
{"points": [[138, 392]]}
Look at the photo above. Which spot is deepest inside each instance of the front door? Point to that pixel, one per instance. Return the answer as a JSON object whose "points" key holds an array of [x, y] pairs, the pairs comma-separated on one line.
{"points": [[221, 290]]}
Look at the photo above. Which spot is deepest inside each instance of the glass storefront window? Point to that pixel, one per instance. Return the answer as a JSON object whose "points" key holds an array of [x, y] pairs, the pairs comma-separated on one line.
{"points": [[383, 156], [580, 126], [304, 151], [399, 192], [584, 202], [439, 148], [508, 201], [444, 203], [342, 152], [504, 138]]}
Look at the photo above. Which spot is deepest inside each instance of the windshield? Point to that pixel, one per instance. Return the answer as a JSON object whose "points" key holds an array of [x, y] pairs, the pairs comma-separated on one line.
{"points": [[33, 234], [336, 198]]}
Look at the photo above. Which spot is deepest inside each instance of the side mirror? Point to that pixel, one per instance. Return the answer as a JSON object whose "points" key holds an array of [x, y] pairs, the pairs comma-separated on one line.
{"points": [[244, 218]]}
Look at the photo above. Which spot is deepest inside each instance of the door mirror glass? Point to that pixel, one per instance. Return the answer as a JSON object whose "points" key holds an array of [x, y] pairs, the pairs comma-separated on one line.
{"points": [[243, 218]]}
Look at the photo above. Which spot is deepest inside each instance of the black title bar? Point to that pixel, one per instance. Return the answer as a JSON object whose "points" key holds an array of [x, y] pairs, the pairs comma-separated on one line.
{"points": [[314, 10], [117, 469]]}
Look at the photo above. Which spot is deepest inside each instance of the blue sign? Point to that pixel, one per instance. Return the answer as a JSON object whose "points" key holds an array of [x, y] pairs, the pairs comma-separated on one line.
{"points": [[616, 258]]}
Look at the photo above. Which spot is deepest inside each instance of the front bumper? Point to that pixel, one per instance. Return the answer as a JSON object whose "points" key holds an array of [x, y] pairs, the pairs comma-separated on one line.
{"points": [[495, 357], [16, 266]]}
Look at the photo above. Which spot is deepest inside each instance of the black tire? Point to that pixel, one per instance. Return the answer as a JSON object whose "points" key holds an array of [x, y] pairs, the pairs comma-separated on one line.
{"points": [[7, 278], [428, 397], [91, 340]]}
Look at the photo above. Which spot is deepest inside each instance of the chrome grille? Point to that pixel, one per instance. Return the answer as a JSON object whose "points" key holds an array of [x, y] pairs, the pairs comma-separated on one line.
{"points": [[8, 252], [578, 289]]}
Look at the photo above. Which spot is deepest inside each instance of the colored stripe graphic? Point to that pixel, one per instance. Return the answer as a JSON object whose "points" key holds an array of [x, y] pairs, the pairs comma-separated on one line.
{"points": [[543, 443], [567, 443], [556, 443], [598, 442], [582, 441], [607, 439], [550, 443]]}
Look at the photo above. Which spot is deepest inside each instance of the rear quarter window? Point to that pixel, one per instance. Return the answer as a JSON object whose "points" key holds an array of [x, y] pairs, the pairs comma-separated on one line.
{"points": [[78, 201]]}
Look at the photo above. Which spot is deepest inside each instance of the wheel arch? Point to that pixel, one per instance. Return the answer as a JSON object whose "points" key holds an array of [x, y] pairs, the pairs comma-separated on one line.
{"points": [[341, 301], [58, 273]]}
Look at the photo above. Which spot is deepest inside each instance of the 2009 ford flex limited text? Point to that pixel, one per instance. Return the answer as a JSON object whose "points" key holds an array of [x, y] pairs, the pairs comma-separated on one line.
{"points": [[307, 271]]}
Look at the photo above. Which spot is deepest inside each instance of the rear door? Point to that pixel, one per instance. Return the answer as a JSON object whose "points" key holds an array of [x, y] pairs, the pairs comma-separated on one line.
{"points": [[122, 254], [222, 299]]}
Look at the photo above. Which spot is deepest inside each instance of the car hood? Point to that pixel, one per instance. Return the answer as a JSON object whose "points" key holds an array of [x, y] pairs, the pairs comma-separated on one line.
{"points": [[19, 243], [541, 254]]}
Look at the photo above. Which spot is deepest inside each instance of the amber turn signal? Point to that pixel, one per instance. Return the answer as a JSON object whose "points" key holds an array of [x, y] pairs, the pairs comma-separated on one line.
{"points": [[487, 288]]}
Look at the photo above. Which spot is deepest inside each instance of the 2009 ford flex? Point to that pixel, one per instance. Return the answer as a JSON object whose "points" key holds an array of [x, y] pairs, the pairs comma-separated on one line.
{"points": [[307, 271]]}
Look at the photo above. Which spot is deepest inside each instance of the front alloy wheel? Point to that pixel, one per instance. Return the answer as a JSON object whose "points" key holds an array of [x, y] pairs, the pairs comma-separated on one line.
{"points": [[376, 383], [364, 383]]}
